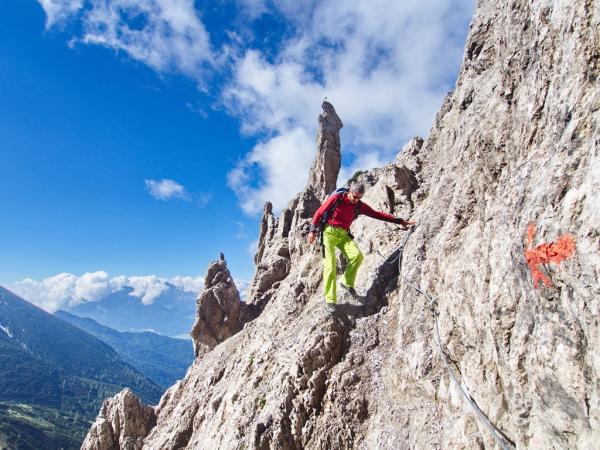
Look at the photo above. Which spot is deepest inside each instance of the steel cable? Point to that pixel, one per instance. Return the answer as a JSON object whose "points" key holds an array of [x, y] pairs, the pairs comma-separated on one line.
{"points": [[498, 435]]}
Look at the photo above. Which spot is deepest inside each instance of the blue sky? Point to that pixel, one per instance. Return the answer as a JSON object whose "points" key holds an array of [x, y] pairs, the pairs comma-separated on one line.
{"points": [[143, 138]]}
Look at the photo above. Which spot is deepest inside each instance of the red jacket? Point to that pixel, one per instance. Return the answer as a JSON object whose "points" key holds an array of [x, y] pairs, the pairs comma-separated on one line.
{"points": [[344, 214]]}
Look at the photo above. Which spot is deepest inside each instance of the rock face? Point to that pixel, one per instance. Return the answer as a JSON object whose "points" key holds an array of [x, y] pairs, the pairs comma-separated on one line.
{"points": [[510, 169], [282, 241], [123, 423], [220, 312]]}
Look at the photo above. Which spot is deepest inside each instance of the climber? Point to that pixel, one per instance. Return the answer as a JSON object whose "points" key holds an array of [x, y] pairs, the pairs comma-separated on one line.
{"points": [[333, 220]]}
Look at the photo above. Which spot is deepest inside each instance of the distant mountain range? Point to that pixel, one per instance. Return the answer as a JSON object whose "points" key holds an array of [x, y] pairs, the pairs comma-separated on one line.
{"points": [[54, 377], [171, 314], [162, 359]]}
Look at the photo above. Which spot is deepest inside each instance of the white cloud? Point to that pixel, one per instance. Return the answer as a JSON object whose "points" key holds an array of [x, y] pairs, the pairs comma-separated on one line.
{"points": [[166, 189], [384, 64], [253, 8], [203, 199], [92, 285], [147, 288], [241, 232], [363, 161], [188, 284], [65, 289], [166, 35], [197, 109], [275, 163], [252, 248], [59, 10]]}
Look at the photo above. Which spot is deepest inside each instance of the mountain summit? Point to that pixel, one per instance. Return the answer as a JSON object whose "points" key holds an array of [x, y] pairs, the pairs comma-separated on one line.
{"points": [[479, 328]]}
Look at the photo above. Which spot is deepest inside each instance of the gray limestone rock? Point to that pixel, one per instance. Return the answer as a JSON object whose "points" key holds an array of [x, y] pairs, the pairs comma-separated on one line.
{"points": [[323, 174], [282, 241], [123, 423], [220, 313], [506, 191], [268, 226]]}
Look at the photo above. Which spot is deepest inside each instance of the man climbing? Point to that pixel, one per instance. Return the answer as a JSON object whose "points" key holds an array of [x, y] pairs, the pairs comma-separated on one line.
{"points": [[333, 220]]}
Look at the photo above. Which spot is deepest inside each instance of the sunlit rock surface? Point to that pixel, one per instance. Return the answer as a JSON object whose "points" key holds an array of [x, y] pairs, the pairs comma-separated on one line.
{"points": [[514, 146], [123, 422], [220, 312]]}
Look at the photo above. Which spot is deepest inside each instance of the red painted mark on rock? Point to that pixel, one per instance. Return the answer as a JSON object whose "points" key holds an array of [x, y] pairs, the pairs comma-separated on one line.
{"points": [[554, 252]]}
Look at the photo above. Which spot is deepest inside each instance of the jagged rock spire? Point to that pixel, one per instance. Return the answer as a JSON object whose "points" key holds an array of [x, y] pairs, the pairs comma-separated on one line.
{"points": [[220, 313], [280, 237], [123, 423], [268, 225], [323, 174]]}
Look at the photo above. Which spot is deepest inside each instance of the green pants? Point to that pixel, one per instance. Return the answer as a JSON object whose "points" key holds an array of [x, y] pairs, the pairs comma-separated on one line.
{"points": [[334, 237]]}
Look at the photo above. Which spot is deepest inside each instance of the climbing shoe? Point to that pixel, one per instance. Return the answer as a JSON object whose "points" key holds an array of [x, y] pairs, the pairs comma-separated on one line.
{"points": [[349, 290], [330, 308]]}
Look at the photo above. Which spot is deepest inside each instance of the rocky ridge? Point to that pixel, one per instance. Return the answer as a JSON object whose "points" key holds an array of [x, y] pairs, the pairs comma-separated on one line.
{"points": [[514, 148]]}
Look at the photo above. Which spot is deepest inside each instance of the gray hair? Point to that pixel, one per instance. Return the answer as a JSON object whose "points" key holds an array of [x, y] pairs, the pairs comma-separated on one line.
{"points": [[357, 187]]}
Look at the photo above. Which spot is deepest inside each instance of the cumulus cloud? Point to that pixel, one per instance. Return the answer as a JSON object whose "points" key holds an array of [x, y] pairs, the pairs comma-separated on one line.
{"points": [[362, 161], [65, 289], [188, 284], [385, 65], [275, 164], [147, 288], [167, 35], [166, 189]]}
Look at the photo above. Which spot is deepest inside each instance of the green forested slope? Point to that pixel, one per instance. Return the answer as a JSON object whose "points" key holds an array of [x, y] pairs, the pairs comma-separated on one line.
{"points": [[52, 372], [163, 359]]}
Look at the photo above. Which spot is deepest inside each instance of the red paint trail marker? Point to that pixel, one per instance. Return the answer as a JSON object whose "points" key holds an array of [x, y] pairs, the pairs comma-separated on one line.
{"points": [[554, 252]]}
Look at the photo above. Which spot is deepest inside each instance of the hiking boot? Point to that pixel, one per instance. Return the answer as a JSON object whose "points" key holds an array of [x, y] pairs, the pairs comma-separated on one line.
{"points": [[330, 308], [349, 290]]}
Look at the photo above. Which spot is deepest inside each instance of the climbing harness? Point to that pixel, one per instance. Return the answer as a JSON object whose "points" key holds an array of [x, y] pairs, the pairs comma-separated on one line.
{"points": [[498, 435]]}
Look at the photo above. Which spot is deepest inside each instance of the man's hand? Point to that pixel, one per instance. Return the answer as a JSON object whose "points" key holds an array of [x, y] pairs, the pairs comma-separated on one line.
{"points": [[311, 237], [404, 223]]}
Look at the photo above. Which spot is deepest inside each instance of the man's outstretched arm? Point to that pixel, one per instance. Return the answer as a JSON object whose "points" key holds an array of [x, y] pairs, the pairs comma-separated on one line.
{"points": [[380, 215]]}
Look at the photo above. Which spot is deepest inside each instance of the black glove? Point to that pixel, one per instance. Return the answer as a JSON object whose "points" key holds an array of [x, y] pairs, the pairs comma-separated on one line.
{"points": [[404, 224]]}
